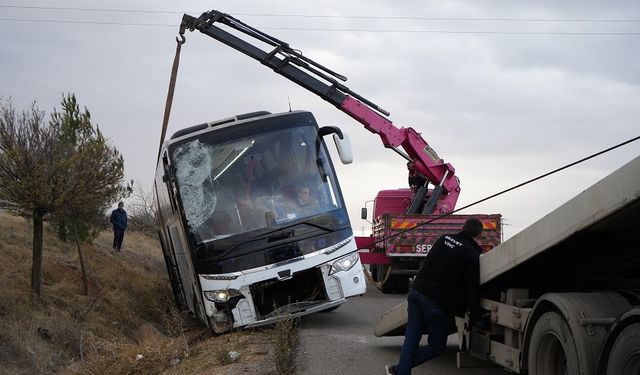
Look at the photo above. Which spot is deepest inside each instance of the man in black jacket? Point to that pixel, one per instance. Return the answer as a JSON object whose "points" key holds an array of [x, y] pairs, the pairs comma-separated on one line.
{"points": [[446, 285]]}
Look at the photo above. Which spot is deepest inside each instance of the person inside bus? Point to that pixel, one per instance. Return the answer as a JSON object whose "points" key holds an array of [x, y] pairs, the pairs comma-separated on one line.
{"points": [[304, 198], [297, 202]]}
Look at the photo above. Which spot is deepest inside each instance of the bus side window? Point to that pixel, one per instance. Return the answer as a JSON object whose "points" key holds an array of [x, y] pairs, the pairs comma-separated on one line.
{"points": [[169, 182]]}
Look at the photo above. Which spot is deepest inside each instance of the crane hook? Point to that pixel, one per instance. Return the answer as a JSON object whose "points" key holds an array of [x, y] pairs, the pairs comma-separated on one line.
{"points": [[181, 39]]}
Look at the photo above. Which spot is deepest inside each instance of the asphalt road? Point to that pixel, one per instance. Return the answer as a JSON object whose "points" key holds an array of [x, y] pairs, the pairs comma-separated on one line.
{"points": [[342, 342]]}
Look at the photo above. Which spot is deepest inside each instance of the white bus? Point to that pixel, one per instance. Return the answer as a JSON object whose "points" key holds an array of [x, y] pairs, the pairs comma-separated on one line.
{"points": [[253, 225]]}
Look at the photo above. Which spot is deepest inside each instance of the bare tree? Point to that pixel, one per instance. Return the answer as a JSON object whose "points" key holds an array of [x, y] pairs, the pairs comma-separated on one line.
{"points": [[143, 210]]}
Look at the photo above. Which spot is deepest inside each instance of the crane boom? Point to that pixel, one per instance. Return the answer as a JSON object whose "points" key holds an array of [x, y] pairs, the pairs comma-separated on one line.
{"points": [[327, 84]]}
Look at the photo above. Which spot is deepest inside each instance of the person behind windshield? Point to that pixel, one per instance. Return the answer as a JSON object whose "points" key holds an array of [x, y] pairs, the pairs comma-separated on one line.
{"points": [[297, 203], [304, 197]]}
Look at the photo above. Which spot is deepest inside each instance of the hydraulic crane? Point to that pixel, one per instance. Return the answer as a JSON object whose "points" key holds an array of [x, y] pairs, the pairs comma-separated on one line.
{"points": [[327, 84]]}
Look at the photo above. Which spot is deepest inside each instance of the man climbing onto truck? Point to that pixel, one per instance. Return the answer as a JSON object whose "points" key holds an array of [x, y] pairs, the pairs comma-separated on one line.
{"points": [[446, 285]]}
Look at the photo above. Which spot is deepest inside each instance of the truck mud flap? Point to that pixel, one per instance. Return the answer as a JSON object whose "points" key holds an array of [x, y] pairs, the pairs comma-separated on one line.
{"points": [[393, 322]]}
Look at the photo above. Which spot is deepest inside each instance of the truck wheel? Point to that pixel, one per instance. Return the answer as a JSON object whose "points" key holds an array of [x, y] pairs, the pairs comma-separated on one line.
{"points": [[393, 284], [624, 358], [374, 272], [396, 284], [402, 283], [388, 286], [379, 272], [552, 350]]}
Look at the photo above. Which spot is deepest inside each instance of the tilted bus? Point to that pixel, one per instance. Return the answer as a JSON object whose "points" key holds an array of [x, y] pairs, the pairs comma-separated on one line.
{"points": [[240, 249]]}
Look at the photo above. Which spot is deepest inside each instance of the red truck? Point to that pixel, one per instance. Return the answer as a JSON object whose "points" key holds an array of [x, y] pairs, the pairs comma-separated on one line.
{"points": [[400, 241]]}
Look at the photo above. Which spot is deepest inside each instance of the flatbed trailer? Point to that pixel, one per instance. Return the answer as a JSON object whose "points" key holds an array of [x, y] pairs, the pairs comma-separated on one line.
{"points": [[564, 293]]}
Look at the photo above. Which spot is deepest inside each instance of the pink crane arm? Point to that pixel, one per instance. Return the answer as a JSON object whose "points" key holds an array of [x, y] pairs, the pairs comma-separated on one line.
{"points": [[422, 157]]}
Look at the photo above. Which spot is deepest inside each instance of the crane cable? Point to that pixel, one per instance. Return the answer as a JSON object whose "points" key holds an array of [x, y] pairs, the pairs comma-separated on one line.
{"points": [[388, 271], [180, 39]]}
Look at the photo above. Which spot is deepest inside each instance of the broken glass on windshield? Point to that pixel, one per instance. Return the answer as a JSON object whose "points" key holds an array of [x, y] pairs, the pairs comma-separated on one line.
{"points": [[250, 183]]}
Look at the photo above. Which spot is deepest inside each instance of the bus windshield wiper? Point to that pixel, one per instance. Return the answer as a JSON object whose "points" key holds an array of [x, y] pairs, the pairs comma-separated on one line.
{"points": [[309, 223], [276, 235]]}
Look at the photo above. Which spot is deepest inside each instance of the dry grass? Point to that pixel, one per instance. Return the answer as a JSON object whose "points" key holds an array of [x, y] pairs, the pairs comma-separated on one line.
{"points": [[126, 325]]}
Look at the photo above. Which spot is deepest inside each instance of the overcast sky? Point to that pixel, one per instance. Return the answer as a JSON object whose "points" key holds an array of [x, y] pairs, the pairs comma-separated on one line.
{"points": [[502, 90]]}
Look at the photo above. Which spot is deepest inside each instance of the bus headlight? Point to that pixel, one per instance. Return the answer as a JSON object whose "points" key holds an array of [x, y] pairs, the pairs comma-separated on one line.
{"points": [[345, 263], [222, 295]]}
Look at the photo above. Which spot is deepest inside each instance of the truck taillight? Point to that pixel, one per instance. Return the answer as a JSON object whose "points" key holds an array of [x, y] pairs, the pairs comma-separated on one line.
{"points": [[404, 248]]}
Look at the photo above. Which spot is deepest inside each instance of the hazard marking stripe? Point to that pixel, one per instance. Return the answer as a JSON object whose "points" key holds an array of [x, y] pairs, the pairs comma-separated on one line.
{"points": [[402, 224], [489, 225]]}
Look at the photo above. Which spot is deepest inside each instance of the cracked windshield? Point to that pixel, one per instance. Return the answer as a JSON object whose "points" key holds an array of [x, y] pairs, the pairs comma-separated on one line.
{"points": [[252, 183]]}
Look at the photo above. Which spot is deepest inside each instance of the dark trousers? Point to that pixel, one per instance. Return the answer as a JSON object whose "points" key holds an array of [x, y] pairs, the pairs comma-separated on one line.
{"points": [[424, 316], [118, 237]]}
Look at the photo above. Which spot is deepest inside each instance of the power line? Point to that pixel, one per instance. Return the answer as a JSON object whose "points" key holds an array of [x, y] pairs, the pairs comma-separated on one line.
{"points": [[92, 9], [614, 33], [595, 20], [89, 22], [442, 18]]}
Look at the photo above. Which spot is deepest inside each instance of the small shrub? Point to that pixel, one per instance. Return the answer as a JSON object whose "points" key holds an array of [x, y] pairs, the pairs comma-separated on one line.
{"points": [[285, 339]]}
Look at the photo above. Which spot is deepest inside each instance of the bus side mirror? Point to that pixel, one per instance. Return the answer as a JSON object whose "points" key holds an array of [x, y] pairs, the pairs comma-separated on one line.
{"points": [[343, 145], [363, 213], [344, 148]]}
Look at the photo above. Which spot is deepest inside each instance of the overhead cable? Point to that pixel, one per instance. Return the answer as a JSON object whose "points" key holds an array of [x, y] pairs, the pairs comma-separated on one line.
{"points": [[340, 29], [492, 19]]}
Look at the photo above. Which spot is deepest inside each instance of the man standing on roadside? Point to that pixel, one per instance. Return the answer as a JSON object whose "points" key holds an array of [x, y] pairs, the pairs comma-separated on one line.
{"points": [[446, 285], [119, 222]]}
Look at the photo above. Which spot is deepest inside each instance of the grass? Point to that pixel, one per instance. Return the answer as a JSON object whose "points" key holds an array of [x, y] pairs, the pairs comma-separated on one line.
{"points": [[128, 313]]}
